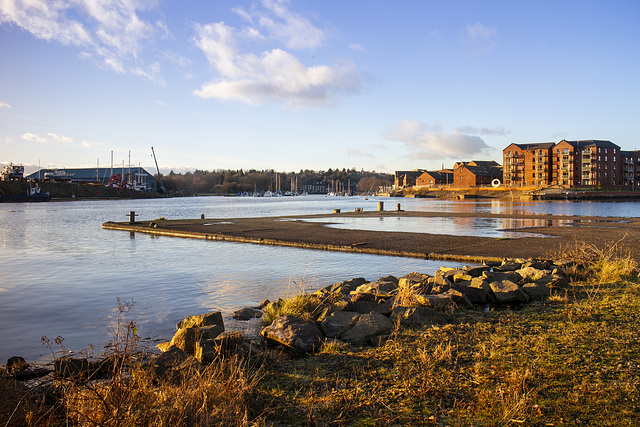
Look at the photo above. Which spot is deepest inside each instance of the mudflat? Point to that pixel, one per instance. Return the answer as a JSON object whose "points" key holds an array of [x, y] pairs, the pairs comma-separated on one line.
{"points": [[295, 231]]}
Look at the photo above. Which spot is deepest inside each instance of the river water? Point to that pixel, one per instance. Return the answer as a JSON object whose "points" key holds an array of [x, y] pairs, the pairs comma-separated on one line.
{"points": [[61, 273]]}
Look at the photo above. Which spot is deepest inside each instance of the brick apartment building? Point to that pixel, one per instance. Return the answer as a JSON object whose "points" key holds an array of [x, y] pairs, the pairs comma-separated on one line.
{"points": [[570, 164], [476, 173]]}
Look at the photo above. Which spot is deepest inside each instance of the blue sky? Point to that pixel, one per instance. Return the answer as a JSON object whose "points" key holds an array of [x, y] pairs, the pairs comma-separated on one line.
{"points": [[290, 85]]}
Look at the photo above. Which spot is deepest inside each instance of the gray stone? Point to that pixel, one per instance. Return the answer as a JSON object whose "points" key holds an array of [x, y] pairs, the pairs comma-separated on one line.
{"points": [[247, 313], [214, 318], [347, 286], [368, 326], [416, 316], [476, 271], [338, 323], [435, 300], [536, 291], [531, 274], [507, 292], [509, 265], [459, 298], [299, 335], [500, 276], [208, 350], [475, 295], [365, 307], [386, 286]]}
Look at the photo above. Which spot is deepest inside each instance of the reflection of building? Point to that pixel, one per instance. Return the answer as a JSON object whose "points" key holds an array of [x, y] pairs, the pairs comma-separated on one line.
{"points": [[528, 164], [476, 173]]}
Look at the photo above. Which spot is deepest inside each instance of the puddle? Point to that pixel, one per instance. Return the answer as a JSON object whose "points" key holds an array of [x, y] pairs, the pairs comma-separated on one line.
{"points": [[475, 227]]}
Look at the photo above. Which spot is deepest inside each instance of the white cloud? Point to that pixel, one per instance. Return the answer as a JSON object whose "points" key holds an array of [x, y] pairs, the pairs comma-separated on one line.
{"points": [[59, 138], [480, 39], [91, 144], [431, 143], [295, 31], [354, 152], [274, 75], [493, 131], [109, 29], [4, 105], [32, 137], [356, 46]]}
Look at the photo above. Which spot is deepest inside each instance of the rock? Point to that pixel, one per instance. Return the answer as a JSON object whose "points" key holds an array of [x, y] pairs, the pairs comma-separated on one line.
{"points": [[69, 367], [476, 271], [553, 281], [535, 291], [163, 365], [264, 303], [416, 283], [435, 300], [368, 326], [507, 292], [363, 296], [509, 265], [208, 350], [365, 307], [474, 294], [416, 316], [247, 314], [347, 286], [500, 276], [214, 318], [459, 298], [297, 334], [387, 285], [164, 346], [531, 274], [338, 323], [16, 364], [461, 277], [537, 264], [185, 339], [274, 306], [442, 283]]}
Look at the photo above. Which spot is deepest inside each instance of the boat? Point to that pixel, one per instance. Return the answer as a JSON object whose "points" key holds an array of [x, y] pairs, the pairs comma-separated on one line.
{"points": [[58, 175], [33, 195]]}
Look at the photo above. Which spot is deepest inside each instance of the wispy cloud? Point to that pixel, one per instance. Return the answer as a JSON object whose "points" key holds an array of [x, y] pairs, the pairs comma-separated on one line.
{"points": [[48, 138], [431, 143], [91, 144], [110, 30], [480, 39], [354, 152], [4, 105], [356, 46], [493, 131], [274, 75]]}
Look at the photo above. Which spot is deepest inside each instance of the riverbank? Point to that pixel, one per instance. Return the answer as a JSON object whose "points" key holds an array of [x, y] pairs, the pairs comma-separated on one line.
{"points": [[294, 231], [568, 359]]}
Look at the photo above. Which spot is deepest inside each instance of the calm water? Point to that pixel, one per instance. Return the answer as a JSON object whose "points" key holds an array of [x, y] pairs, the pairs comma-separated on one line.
{"points": [[61, 273]]}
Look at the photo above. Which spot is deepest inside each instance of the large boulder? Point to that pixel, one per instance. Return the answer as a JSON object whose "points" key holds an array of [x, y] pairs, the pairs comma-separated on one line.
{"points": [[507, 292], [171, 363], [186, 338], [247, 313], [364, 307], [500, 276], [474, 294], [531, 274], [537, 291], [299, 335], [476, 271], [416, 316], [347, 286], [435, 300], [368, 326], [509, 265], [209, 319], [338, 323], [208, 350], [387, 285]]}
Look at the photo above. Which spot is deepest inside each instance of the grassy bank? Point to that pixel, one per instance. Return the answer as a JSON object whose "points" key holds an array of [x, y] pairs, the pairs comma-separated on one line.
{"points": [[571, 360]]}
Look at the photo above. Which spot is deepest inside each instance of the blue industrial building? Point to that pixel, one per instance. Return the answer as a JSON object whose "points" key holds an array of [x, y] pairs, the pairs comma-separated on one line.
{"points": [[135, 177]]}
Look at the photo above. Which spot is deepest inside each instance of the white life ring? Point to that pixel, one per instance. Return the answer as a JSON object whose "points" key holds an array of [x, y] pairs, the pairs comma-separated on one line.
{"points": [[495, 183]]}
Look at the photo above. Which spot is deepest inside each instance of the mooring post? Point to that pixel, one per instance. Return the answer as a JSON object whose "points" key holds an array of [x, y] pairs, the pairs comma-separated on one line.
{"points": [[380, 206], [132, 217], [202, 216], [398, 209]]}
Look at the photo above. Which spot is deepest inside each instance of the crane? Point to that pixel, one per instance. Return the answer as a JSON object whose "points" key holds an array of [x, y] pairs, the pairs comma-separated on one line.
{"points": [[159, 176]]}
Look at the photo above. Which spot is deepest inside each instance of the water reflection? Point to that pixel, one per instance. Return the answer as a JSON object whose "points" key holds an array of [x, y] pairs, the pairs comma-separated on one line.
{"points": [[455, 226]]}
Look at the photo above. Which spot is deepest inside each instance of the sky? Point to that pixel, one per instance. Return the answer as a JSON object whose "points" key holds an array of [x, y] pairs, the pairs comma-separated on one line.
{"points": [[300, 84]]}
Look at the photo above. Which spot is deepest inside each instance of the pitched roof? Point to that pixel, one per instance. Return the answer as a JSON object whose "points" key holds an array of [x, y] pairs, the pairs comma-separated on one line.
{"points": [[535, 145], [591, 143]]}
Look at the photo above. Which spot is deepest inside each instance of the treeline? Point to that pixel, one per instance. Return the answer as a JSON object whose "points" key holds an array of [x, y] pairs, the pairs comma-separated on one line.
{"points": [[240, 181]]}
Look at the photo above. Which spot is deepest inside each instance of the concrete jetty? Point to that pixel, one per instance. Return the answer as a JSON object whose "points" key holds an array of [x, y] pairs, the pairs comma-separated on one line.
{"points": [[294, 231]]}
